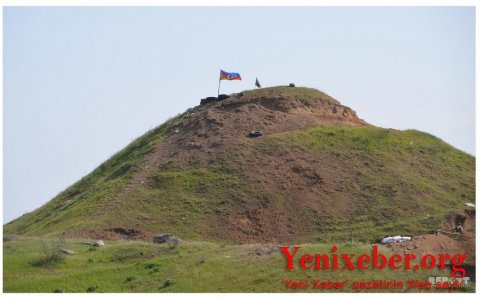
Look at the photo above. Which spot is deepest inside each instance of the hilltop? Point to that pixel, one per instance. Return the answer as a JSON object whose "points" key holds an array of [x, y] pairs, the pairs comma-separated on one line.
{"points": [[319, 173]]}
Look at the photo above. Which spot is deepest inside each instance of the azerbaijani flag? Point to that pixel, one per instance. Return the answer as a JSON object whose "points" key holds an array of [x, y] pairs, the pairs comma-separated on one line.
{"points": [[229, 76]]}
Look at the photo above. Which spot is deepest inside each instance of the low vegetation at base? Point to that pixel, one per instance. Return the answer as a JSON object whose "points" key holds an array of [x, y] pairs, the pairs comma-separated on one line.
{"points": [[135, 266], [51, 253]]}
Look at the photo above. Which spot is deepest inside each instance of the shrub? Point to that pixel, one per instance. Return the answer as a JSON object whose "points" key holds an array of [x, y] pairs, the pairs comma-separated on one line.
{"points": [[52, 254], [151, 265], [130, 278], [59, 291], [92, 289], [49, 260], [169, 282]]}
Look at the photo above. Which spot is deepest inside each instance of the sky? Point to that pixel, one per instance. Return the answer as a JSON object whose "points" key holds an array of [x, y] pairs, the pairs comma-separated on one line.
{"points": [[81, 83]]}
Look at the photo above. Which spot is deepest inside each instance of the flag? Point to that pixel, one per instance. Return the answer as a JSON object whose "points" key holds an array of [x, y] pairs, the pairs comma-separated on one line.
{"points": [[257, 84], [229, 76]]}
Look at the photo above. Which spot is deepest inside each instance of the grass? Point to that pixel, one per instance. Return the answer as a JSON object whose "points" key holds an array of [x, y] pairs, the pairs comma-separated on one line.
{"points": [[52, 254], [407, 181], [304, 94], [399, 182], [49, 260], [123, 266], [183, 201], [72, 207]]}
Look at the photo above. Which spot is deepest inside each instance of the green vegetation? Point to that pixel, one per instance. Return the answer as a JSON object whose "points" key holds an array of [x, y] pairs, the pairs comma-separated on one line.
{"points": [[402, 182], [305, 94], [347, 186], [72, 207], [51, 253], [122, 266]]}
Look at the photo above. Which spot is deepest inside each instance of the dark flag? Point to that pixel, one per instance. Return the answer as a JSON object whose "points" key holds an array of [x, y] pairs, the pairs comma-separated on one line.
{"points": [[257, 84]]}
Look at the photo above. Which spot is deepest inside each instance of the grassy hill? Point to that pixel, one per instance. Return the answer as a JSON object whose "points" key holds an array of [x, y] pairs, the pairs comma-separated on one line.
{"points": [[318, 174]]}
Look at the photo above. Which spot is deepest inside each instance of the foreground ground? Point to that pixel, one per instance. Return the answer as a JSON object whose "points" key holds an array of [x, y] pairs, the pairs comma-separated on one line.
{"points": [[32, 265]]}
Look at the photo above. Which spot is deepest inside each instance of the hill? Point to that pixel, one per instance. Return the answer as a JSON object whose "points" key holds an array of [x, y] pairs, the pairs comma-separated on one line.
{"points": [[319, 173]]}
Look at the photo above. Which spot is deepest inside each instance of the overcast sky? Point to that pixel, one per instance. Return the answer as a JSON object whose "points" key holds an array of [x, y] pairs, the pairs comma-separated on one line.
{"points": [[81, 83]]}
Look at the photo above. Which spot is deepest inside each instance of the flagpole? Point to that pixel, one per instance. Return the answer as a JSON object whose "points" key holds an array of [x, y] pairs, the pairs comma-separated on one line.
{"points": [[218, 93]]}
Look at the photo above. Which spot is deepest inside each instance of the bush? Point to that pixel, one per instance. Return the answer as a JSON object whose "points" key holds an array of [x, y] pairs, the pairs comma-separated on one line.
{"points": [[130, 278], [59, 291], [49, 260], [52, 254], [92, 289], [153, 266], [169, 282]]}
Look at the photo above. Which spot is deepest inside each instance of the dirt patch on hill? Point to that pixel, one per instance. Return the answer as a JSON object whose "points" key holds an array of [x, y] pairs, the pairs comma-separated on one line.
{"points": [[213, 130], [444, 241], [282, 191], [111, 234]]}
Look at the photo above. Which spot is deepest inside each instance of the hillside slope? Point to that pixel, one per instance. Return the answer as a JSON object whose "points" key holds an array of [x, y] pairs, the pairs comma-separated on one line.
{"points": [[318, 173]]}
